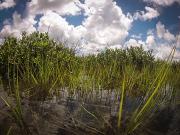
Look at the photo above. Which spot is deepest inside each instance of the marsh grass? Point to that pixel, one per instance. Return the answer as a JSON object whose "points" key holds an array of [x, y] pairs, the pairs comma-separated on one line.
{"points": [[16, 110], [45, 65], [37, 68], [151, 98]]}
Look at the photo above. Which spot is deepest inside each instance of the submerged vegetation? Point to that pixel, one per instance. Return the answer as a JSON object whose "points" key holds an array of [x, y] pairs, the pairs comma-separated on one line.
{"points": [[36, 68]]}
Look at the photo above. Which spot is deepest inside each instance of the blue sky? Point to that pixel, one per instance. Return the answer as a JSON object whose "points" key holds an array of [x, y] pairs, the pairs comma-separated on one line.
{"points": [[96, 25]]}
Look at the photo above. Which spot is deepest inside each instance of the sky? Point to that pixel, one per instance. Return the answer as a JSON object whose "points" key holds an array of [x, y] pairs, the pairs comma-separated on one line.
{"points": [[94, 25]]}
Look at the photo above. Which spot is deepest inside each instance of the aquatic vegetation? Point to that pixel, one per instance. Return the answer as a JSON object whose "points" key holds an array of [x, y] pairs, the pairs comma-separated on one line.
{"points": [[16, 111], [36, 68], [152, 96]]}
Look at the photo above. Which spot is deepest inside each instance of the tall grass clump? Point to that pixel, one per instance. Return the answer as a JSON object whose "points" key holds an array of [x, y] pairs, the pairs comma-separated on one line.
{"points": [[15, 110], [152, 96], [42, 63]]}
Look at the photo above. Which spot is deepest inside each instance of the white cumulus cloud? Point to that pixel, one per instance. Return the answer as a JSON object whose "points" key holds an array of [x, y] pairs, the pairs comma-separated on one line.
{"points": [[148, 14], [100, 29], [163, 33], [150, 40], [58, 28], [62, 7], [160, 40], [134, 43], [7, 4], [18, 26], [103, 28]]}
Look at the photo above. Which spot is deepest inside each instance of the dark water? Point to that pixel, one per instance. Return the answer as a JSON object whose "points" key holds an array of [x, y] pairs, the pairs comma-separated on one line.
{"points": [[95, 114]]}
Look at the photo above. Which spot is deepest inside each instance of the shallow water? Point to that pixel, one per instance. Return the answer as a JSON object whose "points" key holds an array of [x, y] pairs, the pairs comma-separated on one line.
{"points": [[96, 114]]}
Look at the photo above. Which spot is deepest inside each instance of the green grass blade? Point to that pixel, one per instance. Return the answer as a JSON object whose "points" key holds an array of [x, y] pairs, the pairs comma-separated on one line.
{"points": [[121, 103]]}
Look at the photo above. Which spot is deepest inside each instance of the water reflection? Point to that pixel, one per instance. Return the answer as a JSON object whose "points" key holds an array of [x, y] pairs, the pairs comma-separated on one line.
{"points": [[94, 114]]}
